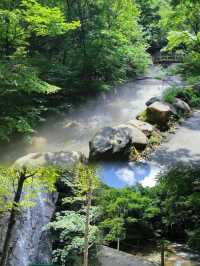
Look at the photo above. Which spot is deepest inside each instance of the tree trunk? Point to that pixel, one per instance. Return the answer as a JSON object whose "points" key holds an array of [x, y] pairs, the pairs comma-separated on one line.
{"points": [[87, 222], [12, 220], [118, 243], [162, 253]]}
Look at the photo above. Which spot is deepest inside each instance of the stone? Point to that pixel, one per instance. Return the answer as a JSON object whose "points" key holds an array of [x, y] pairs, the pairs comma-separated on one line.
{"points": [[113, 257], [138, 138], [160, 113], [181, 106], [145, 127], [196, 88], [152, 100], [62, 159], [116, 142]]}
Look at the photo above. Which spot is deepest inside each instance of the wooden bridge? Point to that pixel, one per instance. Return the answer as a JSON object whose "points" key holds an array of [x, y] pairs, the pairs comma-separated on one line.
{"points": [[168, 59]]}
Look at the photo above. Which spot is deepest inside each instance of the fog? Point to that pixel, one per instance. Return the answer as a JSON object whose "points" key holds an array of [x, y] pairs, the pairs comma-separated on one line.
{"points": [[121, 104]]}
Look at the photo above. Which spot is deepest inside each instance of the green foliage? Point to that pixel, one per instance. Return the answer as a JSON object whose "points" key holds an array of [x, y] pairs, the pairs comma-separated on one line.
{"points": [[171, 93], [178, 191], [45, 21], [68, 227], [22, 24], [72, 227], [155, 138], [181, 22], [124, 209], [42, 180], [149, 19], [108, 47], [186, 93]]}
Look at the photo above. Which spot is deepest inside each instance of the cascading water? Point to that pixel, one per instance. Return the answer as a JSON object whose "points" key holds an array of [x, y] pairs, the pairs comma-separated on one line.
{"points": [[31, 243]]}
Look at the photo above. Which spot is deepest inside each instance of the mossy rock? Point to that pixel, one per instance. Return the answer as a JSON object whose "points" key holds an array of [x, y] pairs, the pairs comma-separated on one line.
{"points": [[155, 139]]}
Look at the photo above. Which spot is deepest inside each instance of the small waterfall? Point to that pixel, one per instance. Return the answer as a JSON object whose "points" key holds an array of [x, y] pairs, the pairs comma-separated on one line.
{"points": [[30, 243]]}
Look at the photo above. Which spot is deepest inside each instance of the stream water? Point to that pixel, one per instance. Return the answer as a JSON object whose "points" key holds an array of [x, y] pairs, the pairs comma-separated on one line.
{"points": [[73, 133]]}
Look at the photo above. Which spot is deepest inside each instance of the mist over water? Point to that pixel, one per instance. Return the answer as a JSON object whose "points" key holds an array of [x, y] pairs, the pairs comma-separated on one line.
{"points": [[74, 132]]}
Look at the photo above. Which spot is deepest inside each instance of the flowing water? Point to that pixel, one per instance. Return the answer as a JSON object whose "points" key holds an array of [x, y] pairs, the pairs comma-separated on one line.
{"points": [[78, 127], [74, 133]]}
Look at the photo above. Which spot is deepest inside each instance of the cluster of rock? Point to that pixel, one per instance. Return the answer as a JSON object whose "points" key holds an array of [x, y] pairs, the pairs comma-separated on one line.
{"points": [[117, 142], [114, 142]]}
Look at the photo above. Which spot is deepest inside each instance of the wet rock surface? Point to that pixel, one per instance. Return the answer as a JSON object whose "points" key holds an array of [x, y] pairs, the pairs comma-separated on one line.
{"points": [[181, 106], [62, 159], [160, 113], [30, 243], [152, 100], [116, 142], [112, 257], [145, 127]]}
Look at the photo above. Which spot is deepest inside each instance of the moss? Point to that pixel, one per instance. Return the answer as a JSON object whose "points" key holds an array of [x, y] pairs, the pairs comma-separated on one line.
{"points": [[143, 116], [155, 139]]}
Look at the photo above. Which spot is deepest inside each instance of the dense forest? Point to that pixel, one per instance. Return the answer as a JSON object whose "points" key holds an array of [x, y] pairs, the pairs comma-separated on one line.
{"points": [[55, 55], [55, 51]]}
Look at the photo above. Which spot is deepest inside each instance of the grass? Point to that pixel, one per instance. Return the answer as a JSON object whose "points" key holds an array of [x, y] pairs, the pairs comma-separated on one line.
{"points": [[171, 93], [155, 139], [187, 94]]}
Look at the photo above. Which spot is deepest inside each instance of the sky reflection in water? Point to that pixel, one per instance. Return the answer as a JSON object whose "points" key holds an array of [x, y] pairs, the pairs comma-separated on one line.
{"points": [[123, 174]]}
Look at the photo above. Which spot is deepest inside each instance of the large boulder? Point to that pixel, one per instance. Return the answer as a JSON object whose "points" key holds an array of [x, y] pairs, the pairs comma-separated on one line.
{"points": [[160, 114], [112, 257], [116, 142], [61, 159], [145, 127], [181, 106]]}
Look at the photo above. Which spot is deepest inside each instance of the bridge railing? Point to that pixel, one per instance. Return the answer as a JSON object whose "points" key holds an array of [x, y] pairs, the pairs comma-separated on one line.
{"points": [[174, 58]]}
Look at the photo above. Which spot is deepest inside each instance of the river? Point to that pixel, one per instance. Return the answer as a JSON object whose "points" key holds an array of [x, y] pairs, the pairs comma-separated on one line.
{"points": [[75, 130]]}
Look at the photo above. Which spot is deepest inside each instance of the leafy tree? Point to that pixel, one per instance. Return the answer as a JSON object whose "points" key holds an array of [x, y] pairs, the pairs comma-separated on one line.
{"points": [[179, 192], [125, 209], [22, 24], [181, 21], [108, 47], [75, 226], [150, 20], [20, 188]]}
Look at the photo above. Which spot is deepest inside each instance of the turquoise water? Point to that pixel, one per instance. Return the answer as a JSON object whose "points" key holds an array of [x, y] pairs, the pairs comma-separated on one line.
{"points": [[124, 174]]}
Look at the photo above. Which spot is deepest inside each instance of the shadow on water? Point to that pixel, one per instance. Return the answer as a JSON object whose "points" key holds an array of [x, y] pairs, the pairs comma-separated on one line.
{"points": [[193, 123], [165, 157]]}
